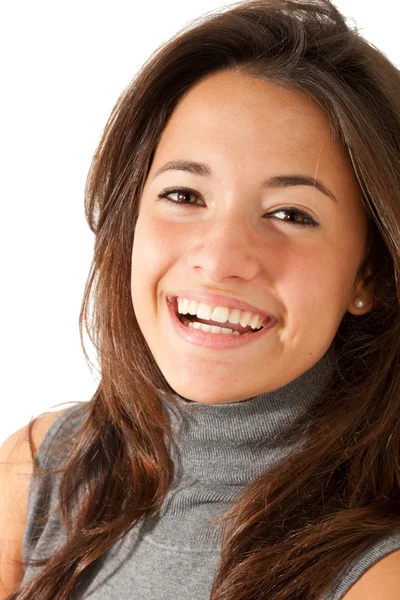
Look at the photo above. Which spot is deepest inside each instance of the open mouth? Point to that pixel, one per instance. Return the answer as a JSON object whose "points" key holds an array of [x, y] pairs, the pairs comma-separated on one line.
{"points": [[235, 329]]}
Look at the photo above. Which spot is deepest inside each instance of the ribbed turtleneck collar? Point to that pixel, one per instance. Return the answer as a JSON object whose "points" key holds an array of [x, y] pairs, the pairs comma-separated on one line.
{"points": [[220, 448], [203, 428]]}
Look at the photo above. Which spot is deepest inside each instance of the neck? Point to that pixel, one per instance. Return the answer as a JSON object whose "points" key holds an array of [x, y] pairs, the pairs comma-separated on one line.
{"points": [[218, 449]]}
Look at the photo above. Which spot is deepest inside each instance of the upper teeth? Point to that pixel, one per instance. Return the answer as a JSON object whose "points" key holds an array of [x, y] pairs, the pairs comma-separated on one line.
{"points": [[221, 314]]}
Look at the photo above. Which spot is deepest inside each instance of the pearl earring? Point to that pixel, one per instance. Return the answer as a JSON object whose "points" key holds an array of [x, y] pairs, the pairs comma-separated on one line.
{"points": [[359, 303]]}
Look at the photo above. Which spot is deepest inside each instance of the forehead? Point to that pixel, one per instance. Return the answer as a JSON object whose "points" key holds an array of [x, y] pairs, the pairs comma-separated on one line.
{"points": [[239, 112]]}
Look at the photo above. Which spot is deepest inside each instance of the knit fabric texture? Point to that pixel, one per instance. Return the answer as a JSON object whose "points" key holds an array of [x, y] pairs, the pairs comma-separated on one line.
{"points": [[218, 450]]}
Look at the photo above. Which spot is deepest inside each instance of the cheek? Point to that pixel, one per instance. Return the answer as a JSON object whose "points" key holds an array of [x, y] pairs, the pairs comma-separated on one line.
{"points": [[315, 282], [152, 254], [152, 245]]}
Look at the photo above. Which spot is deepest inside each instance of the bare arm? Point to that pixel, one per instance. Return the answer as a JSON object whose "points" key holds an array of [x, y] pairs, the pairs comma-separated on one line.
{"points": [[15, 472], [379, 582]]}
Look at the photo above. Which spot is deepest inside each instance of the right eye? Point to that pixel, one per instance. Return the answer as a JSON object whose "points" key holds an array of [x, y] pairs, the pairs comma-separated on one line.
{"points": [[183, 195]]}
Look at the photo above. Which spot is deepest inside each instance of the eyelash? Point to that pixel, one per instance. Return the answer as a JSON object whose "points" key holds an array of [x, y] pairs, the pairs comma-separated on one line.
{"points": [[311, 222]]}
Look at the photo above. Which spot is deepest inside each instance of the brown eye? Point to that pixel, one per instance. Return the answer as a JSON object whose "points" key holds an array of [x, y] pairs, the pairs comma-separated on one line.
{"points": [[306, 220], [183, 196]]}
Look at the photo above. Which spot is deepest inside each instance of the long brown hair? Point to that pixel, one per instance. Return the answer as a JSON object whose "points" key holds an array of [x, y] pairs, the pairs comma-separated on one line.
{"points": [[339, 492]]}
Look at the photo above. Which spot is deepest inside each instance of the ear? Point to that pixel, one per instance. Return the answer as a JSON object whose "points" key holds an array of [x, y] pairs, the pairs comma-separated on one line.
{"points": [[364, 290]]}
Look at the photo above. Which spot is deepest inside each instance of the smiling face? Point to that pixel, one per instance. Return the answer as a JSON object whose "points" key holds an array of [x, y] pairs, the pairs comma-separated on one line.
{"points": [[232, 237]]}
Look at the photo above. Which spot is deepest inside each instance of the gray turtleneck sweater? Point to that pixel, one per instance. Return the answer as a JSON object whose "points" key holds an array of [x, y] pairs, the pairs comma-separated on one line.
{"points": [[217, 451]]}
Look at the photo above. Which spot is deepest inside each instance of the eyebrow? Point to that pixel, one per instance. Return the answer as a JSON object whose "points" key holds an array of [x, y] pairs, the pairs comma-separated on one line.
{"points": [[280, 181]]}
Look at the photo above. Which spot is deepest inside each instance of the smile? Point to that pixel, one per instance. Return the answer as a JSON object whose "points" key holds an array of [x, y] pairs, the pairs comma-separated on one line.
{"points": [[191, 329]]}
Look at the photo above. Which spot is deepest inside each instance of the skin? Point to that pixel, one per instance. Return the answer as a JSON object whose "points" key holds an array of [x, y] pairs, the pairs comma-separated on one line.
{"points": [[247, 129]]}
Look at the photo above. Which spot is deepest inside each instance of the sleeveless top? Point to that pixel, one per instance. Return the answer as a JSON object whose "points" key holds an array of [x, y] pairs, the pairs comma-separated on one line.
{"points": [[218, 452]]}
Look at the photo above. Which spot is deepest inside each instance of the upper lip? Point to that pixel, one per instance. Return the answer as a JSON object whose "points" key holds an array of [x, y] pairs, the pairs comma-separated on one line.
{"points": [[220, 300]]}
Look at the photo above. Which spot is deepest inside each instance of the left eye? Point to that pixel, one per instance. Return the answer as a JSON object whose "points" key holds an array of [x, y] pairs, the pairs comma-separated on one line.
{"points": [[184, 200], [307, 220]]}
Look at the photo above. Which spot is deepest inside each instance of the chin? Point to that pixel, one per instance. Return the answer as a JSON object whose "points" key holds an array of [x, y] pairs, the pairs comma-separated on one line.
{"points": [[206, 396]]}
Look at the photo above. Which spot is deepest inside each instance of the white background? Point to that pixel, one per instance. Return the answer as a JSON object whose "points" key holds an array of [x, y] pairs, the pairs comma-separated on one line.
{"points": [[64, 64]]}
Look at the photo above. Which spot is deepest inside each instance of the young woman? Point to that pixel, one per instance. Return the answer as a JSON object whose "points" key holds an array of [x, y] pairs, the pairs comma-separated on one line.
{"points": [[244, 439]]}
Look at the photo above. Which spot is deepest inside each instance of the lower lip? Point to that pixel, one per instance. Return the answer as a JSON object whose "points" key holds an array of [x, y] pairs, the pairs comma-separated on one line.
{"points": [[217, 341]]}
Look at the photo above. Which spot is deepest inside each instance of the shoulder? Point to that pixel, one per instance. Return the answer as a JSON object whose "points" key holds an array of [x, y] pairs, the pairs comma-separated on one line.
{"points": [[15, 451], [16, 468], [380, 582]]}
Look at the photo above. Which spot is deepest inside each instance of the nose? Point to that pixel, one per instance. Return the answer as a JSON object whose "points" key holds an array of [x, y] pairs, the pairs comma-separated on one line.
{"points": [[225, 248]]}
